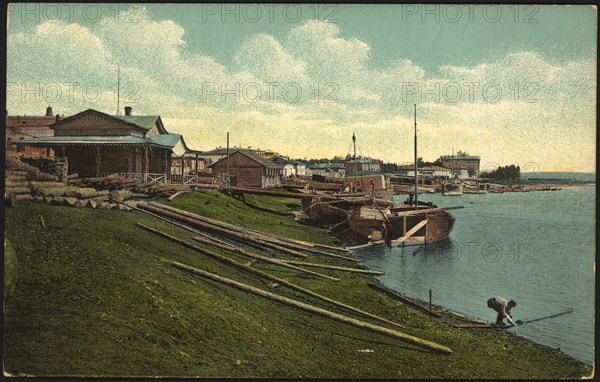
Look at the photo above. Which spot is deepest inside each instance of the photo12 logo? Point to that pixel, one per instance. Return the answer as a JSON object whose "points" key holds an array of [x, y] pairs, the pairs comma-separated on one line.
{"points": [[470, 13], [254, 13], [70, 12], [53, 92]]}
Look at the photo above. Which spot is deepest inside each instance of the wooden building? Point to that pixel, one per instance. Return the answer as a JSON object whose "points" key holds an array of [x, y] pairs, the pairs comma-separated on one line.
{"points": [[246, 168], [461, 161], [22, 127], [366, 182], [98, 144]]}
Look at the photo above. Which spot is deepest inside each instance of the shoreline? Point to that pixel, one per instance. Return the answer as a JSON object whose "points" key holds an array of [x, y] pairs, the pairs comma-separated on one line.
{"points": [[263, 337]]}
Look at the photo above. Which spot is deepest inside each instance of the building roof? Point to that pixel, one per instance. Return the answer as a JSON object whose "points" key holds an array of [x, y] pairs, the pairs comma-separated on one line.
{"points": [[253, 156], [162, 140], [144, 121], [364, 161], [461, 155], [29, 121]]}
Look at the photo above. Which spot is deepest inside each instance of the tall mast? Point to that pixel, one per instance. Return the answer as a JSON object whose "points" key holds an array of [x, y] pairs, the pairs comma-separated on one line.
{"points": [[355, 165], [118, 89], [416, 177]]}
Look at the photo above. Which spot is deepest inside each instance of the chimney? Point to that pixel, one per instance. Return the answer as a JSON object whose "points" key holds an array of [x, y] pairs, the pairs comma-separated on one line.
{"points": [[57, 117], [48, 111], [127, 110]]}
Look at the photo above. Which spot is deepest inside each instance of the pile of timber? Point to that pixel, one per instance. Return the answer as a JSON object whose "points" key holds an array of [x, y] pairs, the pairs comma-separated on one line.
{"points": [[110, 183], [242, 235], [19, 187], [55, 166]]}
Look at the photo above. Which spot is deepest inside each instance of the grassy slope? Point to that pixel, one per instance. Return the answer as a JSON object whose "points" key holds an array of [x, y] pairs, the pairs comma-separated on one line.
{"points": [[93, 297]]}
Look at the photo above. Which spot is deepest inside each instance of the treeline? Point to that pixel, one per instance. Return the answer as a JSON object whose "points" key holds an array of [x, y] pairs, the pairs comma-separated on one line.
{"points": [[336, 159], [393, 168], [505, 173]]}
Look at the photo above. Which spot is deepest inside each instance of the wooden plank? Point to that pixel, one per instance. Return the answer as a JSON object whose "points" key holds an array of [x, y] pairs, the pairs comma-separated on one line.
{"points": [[411, 232], [366, 245]]}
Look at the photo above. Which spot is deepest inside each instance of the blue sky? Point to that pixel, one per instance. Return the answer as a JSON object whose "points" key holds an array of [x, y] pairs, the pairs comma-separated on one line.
{"points": [[514, 84]]}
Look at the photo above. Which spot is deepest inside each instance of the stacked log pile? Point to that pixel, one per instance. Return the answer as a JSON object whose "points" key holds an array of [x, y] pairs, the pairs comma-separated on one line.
{"points": [[160, 190], [21, 187], [55, 166]]}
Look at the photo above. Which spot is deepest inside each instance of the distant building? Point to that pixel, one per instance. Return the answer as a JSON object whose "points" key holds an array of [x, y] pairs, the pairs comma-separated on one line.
{"points": [[327, 170], [461, 161], [366, 182], [362, 166], [408, 170], [247, 168], [20, 128], [299, 167]]}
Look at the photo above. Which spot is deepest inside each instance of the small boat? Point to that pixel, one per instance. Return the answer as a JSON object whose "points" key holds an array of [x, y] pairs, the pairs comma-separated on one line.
{"points": [[455, 192]]}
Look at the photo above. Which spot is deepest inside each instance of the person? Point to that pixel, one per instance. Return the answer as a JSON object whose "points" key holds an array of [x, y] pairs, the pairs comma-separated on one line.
{"points": [[503, 308]]}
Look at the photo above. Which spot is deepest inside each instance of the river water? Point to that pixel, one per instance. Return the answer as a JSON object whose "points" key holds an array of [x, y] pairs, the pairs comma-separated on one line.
{"points": [[536, 248]]}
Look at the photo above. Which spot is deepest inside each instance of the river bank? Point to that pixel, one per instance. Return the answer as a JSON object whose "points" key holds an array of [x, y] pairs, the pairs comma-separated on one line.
{"points": [[92, 295]]}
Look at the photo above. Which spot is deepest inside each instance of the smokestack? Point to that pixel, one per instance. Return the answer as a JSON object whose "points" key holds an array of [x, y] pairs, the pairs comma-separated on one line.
{"points": [[127, 110], [48, 111]]}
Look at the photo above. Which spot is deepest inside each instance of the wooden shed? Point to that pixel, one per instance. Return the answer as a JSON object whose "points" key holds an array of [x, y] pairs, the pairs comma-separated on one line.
{"points": [[248, 169]]}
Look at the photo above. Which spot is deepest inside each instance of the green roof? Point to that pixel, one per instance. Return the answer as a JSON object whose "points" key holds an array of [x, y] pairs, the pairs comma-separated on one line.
{"points": [[164, 140], [169, 140], [143, 121]]}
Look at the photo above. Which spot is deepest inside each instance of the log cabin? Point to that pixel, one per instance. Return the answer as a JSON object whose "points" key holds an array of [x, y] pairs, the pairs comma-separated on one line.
{"points": [[249, 169], [98, 144]]}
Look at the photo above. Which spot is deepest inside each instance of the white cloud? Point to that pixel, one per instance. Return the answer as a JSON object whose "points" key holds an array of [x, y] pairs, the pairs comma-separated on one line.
{"points": [[547, 103]]}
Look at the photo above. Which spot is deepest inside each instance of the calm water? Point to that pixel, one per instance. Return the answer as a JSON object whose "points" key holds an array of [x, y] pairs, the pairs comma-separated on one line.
{"points": [[536, 248]]}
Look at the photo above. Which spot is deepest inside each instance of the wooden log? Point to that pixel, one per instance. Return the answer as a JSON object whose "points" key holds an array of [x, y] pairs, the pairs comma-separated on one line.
{"points": [[18, 190], [23, 197], [170, 198], [70, 202], [335, 267], [91, 204], [13, 184], [253, 256], [293, 286], [432, 346], [369, 244], [37, 184], [205, 239], [92, 193], [88, 192], [404, 299], [244, 238], [259, 235]]}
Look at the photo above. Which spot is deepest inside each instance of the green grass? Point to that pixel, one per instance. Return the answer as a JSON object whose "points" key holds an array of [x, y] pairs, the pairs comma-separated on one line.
{"points": [[93, 297]]}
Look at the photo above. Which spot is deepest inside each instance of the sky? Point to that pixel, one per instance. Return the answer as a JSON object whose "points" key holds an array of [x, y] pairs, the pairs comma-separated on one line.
{"points": [[514, 84]]}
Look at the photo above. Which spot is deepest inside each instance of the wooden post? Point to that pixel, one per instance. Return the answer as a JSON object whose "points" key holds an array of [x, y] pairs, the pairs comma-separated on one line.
{"points": [[145, 161], [196, 166], [98, 161], [429, 299], [63, 151], [167, 165], [182, 166]]}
